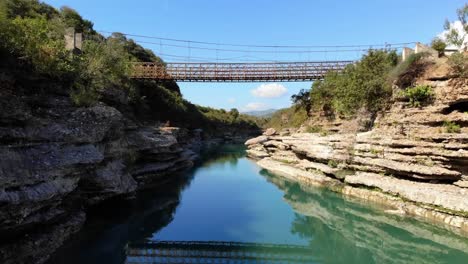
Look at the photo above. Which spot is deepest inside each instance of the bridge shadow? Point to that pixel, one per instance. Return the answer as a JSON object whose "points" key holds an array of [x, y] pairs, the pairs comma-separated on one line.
{"points": [[216, 252]]}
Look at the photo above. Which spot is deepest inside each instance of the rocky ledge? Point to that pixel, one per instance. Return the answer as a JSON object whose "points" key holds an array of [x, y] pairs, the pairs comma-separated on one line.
{"points": [[409, 159], [58, 159]]}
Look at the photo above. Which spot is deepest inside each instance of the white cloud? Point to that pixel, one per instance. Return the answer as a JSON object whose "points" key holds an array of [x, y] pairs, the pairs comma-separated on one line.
{"points": [[458, 26], [231, 100], [255, 106], [272, 90]]}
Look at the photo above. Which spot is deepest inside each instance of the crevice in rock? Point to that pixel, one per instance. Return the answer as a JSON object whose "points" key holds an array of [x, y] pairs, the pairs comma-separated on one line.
{"points": [[461, 106]]}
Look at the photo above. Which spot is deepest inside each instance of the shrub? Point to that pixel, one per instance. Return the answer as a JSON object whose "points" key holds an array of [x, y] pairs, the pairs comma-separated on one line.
{"points": [[451, 127], [39, 42], [314, 129], [419, 95], [459, 64], [361, 85], [439, 45], [332, 163], [407, 71], [293, 116], [83, 96]]}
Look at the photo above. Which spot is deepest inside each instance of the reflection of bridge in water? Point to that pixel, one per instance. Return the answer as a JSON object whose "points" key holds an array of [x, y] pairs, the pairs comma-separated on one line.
{"points": [[216, 252]]}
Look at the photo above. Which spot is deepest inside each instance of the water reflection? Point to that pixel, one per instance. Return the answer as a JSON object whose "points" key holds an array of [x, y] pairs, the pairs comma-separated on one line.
{"points": [[342, 231], [216, 252], [228, 198], [111, 226]]}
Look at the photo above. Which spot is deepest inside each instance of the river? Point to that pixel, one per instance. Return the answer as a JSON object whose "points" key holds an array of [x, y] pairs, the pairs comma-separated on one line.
{"points": [[228, 204]]}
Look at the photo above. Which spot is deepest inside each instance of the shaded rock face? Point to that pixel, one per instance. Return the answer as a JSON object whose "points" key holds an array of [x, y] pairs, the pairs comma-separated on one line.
{"points": [[408, 155], [56, 159]]}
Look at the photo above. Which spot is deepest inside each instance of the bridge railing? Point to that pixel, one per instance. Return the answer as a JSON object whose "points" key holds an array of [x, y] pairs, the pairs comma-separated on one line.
{"points": [[278, 71]]}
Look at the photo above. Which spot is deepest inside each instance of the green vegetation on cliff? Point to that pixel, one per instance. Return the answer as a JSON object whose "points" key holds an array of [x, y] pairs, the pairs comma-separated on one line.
{"points": [[362, 85], [32, 42]]}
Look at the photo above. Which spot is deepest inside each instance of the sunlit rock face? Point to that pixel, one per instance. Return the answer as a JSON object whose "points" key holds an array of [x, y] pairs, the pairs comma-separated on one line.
{"points": [[408, 154]]}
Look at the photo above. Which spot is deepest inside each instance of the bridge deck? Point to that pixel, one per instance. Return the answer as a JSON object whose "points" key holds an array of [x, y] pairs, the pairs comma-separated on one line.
{"points": [[216, 252], [237, 72]]}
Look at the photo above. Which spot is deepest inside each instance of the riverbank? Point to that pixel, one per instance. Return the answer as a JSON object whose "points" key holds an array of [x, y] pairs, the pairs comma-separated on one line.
{"points": [[349, 164], [411, 157]]}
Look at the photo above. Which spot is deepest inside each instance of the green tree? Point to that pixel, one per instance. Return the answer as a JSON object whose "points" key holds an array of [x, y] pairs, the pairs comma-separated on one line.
{"points": [[439, 45], [454, 36], [72, 19], [302, 99], [234, 113]]}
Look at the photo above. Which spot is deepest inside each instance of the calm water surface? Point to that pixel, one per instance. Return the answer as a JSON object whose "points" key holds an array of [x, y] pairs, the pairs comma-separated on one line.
{"points": [[228, 198]]}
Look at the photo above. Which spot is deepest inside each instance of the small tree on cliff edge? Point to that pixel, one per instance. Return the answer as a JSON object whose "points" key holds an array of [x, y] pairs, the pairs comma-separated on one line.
{"points": [[439, 45], [234, 113], [302, 99], [458, 36]]}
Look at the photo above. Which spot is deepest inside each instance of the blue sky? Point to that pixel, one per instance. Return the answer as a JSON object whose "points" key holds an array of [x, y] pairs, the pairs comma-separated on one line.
{"points": [[264, 22]]}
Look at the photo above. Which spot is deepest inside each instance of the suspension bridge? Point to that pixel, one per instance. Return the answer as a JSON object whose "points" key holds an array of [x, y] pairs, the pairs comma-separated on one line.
{"points": [[216, 252], [241, 62], [237, 72]]}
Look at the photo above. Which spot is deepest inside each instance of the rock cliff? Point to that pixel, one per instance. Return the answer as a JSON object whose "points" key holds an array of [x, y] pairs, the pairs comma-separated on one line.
{"points": [[57, 159], [409, 158]]}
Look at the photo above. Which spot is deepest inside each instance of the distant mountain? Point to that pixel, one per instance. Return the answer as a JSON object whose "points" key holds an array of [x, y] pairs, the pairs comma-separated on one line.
{"points": [[261, 113]]}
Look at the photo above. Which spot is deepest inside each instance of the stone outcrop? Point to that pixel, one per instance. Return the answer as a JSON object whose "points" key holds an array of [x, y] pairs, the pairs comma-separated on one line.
{"points": [[408, 158], [57, 159]]}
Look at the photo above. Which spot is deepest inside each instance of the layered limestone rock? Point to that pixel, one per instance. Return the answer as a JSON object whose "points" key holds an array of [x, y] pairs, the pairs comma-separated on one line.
{"points": [[409, 155], [56, 159]]}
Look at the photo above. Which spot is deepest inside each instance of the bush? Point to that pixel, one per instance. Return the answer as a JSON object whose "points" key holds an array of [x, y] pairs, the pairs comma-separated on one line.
{"points": [[293, 116], [419, 95], [39, 42], [332, 163], [314, 129], [84, 97], [361, 85], [407, 71], [451, 127], [439, 45], [459, 64]]}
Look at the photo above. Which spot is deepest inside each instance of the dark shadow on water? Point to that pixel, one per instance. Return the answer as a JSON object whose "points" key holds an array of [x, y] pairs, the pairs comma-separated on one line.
{"points": [[112, 225]]}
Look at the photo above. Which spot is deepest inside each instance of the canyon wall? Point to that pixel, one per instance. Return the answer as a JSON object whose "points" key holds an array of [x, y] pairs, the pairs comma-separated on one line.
{"points": [[410, 158]]}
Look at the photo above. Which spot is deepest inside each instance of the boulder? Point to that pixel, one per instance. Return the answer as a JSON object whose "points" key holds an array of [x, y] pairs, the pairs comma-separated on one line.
{"points": [[269, 132], [257, 140]]}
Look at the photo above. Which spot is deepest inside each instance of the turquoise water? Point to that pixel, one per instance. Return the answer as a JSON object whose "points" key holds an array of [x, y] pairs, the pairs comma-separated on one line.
{"points": [[229, 198]]}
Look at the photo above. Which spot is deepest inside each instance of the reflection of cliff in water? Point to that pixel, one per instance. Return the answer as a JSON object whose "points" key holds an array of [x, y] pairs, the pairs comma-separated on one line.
{"points": [[222, 154], [346, 232], [110, 227]]}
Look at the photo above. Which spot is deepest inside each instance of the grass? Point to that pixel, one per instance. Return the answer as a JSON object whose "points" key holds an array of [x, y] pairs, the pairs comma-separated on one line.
{"points": [[451, 127], [332, 163]]}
